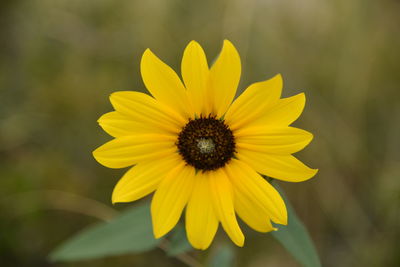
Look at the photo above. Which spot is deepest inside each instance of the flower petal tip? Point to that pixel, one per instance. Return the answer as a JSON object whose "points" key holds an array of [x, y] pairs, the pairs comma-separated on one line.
{"points": [[227, 42], [98, 156], [147, 51], [193, 43], [311, 174], [114, 95], [157, 233], [310, 137], [277, 80], [114, 199], [238, 240], [282, 218], [147, 54], [200, 247], [192, 47], [95, 154], [278, 77], [229, 45], [240, 243]]}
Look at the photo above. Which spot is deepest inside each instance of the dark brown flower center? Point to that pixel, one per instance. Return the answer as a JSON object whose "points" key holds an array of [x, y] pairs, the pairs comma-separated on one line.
{"points": [[206, 143]]}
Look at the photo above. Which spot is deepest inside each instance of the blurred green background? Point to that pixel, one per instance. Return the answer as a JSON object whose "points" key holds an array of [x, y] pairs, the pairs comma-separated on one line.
{"points": [[59, 61]]}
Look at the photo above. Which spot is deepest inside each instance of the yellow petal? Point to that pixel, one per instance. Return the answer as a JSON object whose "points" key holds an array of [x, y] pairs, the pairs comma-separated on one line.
{"points": [[170, 198], [143, 108], [283, 113], [251, 186], [251, 214], [143, 179], [129, 150], [224, 78], [222, 196], [264, 139], [201, 221], [195, 74], [282, 167], [254, 101], [117, 125], [163, 83]]}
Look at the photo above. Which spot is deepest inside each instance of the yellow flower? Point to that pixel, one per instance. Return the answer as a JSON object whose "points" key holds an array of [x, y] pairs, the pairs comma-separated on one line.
{"points": [[196, 149]]}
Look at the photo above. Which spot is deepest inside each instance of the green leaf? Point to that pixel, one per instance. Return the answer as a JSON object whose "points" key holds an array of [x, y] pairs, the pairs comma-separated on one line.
{"points": [[295, 238], [129, 232], [179, 243], [223, 257]]}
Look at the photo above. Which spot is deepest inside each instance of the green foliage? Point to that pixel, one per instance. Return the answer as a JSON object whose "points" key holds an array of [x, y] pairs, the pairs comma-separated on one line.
{"points": [[295, 238], [223, 257], [129, 232], [179, 243], [59, 60]]}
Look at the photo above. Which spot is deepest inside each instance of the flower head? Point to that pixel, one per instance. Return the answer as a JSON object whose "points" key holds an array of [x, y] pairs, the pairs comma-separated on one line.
{"points": [[200, 150]]}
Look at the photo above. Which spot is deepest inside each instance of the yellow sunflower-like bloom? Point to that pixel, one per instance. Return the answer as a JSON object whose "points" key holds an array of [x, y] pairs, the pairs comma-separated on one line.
{"points": [[196, 149]]}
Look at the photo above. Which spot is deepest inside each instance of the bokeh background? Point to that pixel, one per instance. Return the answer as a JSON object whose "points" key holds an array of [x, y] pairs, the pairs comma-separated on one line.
{"points": [[60, 59]]}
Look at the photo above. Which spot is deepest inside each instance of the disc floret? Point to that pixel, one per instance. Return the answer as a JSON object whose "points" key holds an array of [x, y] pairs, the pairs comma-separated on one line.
{"points": [[206, 143]]}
